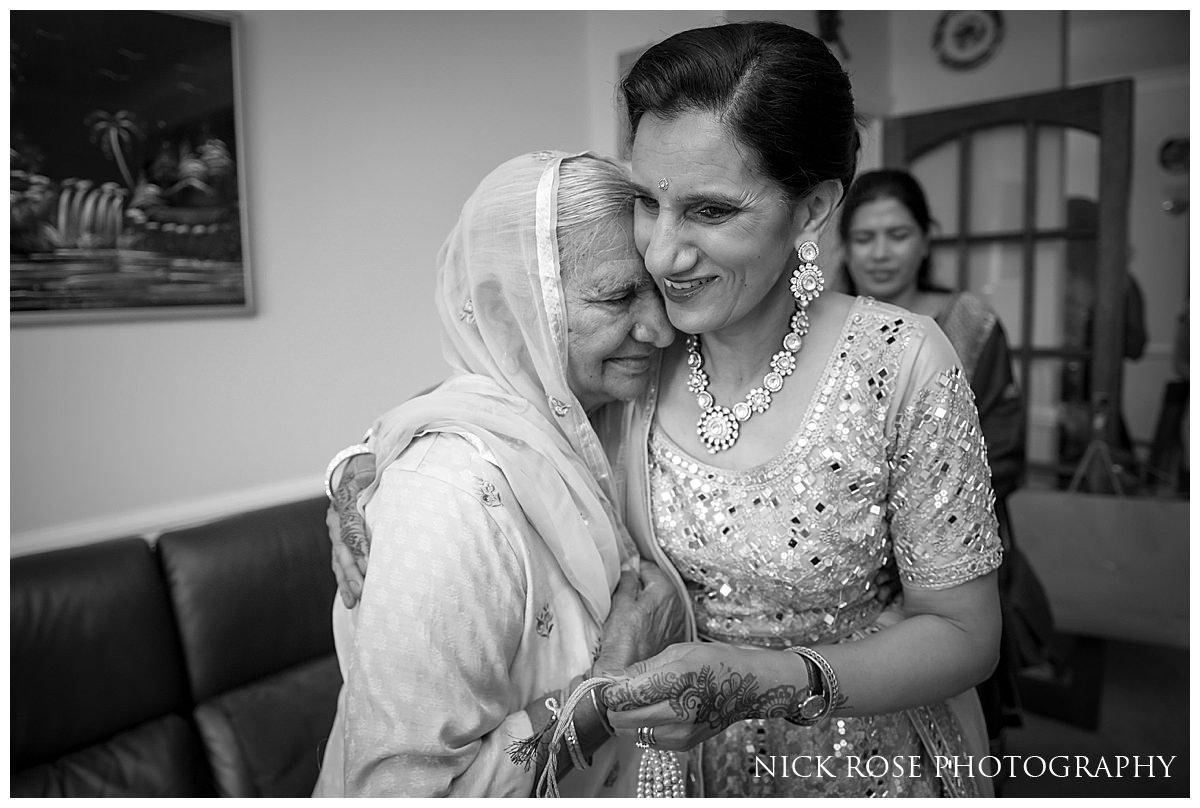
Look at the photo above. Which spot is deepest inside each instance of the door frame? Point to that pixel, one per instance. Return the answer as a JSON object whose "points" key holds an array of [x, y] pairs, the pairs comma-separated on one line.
{"points": [[1104, 110]]}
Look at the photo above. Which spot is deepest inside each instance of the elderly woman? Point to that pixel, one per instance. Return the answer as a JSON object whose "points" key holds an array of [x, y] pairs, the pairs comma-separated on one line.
{"points": [[792, 446], [495, 545]]}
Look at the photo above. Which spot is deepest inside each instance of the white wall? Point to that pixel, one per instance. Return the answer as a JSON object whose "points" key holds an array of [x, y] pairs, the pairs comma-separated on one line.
{"points": [[364, 133], [1028, 60], [610, 33]]}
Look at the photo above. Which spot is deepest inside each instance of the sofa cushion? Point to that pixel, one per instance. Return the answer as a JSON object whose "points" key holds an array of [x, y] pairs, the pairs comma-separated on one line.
{"points": [[161, 758], [93, 653], [252, 593], [266, 739]]}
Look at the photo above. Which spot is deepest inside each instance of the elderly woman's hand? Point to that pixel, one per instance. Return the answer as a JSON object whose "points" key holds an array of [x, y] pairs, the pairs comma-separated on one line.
{"points": [[693, 691], [348, 530], [646, 616]]}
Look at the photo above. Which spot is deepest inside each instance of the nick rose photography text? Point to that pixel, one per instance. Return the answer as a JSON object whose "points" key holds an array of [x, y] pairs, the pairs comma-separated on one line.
{"points": [[832, 767]]}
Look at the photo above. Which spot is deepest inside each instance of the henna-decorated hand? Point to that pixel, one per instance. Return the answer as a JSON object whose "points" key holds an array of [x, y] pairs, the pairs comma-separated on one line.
{"points": [[646, 617], [348, 530], [693, 691]]}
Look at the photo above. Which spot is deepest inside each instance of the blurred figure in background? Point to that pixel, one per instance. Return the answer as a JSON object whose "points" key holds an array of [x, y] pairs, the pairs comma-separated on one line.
{"points": [[1076, 426]]}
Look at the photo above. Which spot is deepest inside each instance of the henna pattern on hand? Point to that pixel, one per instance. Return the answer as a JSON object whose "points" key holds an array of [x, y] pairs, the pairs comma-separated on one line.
{"points": [[706, 697], [353, 526]]}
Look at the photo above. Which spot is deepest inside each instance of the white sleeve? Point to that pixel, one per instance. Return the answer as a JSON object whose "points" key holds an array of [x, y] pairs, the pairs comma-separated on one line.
{"points": [[430, 705]]}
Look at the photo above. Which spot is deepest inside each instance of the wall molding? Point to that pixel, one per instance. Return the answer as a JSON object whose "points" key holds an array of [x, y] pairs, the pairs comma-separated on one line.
{"points": [[152, 522]]}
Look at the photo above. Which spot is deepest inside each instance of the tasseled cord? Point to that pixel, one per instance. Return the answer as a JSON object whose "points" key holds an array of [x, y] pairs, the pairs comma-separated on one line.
{"points": [[525, 751]]}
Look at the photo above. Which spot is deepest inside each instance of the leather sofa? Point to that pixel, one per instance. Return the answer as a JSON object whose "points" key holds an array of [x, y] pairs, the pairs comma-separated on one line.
{"points": [[201, 664]]}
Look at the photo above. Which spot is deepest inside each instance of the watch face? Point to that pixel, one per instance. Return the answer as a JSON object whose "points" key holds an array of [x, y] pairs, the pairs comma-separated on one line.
{"points": [[812, 707], [967, 39]]}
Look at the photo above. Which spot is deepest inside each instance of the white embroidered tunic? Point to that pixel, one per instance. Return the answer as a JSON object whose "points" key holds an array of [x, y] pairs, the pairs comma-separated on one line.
{"points": [[465, 618]]}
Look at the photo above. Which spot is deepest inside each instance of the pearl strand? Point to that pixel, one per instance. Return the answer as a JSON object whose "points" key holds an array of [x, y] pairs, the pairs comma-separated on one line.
{"points": [[659, 774]]}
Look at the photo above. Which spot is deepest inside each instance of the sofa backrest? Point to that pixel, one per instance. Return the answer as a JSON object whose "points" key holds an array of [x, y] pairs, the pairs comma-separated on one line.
{"points": [[99, 692], [253, 595]]}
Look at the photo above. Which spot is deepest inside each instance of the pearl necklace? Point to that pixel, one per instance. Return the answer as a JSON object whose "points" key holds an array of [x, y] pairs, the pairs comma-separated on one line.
{"points": [[659, 774]]}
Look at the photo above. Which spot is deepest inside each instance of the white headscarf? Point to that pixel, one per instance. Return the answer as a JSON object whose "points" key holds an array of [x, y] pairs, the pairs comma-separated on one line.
{"points": [[504, 332]]}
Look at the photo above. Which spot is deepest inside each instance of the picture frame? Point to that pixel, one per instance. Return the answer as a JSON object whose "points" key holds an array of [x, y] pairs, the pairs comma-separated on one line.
{"points": [[127, 179]]}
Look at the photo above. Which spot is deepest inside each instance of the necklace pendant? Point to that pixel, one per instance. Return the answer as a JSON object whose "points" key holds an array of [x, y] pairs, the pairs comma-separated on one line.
{"points": [[718, 426], [718, 429]]}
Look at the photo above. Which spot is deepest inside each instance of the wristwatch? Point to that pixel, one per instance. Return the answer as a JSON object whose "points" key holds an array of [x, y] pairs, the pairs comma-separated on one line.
{"points": [[815, 705]]}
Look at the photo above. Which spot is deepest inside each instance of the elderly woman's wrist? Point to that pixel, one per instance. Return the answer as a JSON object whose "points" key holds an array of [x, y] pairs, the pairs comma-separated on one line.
{"points": [[591, 723], [334, 472]]}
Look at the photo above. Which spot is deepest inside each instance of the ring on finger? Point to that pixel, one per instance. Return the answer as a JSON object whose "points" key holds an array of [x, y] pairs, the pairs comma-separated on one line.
{"points": [[645, 737]]}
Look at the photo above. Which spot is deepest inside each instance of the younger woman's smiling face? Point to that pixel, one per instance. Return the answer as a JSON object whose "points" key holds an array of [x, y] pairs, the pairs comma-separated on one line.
{"points": [[718, 237]]}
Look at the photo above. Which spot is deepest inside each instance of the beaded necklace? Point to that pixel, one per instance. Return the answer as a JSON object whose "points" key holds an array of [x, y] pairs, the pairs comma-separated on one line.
{"points": [[719, 426]]}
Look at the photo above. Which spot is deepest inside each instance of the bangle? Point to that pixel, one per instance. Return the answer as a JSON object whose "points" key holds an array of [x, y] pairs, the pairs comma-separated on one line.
{"points": [[338, 459], [602, 714], [573, 748], [823, 691]]}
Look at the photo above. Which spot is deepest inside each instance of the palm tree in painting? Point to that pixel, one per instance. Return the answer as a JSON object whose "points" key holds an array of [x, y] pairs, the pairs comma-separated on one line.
{"points": [[115, 132]]}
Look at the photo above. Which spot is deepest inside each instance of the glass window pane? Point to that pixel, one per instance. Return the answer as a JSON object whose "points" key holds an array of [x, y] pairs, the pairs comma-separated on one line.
{"points": [[997, 179], [943, 270], [1059, 422], [1083, 164], [937, 171], [1068, 167], [1051, 172], [994, 274], [1082, 263], [1044, 406], [1049, 294]]}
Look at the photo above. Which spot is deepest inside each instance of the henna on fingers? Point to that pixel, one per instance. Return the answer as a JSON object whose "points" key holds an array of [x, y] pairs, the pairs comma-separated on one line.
{"points": [[353, 527], [707, 697]]}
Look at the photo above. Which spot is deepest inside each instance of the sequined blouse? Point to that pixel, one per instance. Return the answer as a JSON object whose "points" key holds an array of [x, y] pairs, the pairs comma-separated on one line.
{"points": [[888, 462]]}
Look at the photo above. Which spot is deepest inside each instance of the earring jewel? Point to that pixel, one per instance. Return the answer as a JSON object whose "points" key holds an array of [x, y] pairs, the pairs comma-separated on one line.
{"points": [[720, 426], [807, 280]]}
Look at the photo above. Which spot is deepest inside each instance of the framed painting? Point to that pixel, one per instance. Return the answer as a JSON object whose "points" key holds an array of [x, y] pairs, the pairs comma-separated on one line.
{"points": [[127, 188]]}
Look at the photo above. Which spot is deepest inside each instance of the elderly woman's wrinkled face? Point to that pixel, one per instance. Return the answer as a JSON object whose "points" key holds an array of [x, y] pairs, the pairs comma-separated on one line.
{"points": [[615, 321], [884, 249], [718, 237]]}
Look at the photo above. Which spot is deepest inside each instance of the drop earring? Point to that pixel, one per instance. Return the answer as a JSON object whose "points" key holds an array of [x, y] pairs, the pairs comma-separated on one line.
{"points": [[807, 280]]}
